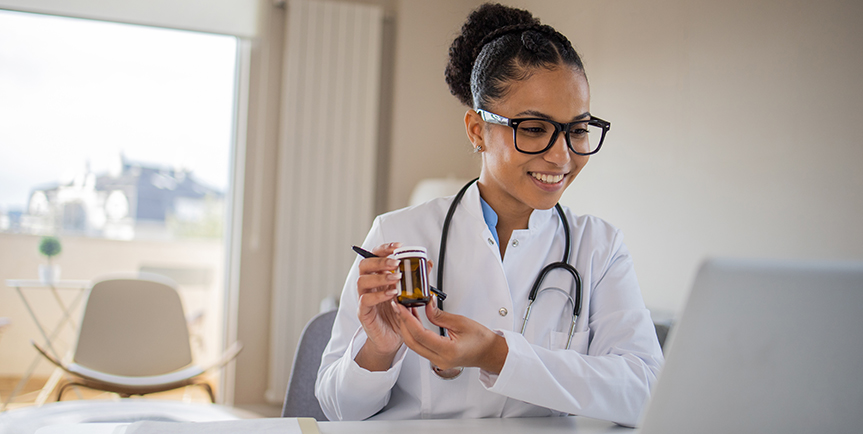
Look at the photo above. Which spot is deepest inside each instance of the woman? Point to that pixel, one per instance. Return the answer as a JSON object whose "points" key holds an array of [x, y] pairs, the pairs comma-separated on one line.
{"points": [[527, 88]]}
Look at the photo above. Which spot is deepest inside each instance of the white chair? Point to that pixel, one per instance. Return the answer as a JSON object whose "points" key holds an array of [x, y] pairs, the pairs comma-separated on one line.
{"points": [[134, 340]]}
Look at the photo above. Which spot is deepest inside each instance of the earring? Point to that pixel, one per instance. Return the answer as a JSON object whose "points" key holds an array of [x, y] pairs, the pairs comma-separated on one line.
{"points": [[478, 148]]}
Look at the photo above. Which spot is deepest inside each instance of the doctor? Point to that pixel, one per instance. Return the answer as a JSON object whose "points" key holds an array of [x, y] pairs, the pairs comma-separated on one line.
{"points": [[530, 121]]}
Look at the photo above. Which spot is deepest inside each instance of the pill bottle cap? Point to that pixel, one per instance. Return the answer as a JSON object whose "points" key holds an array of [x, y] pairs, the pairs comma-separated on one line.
{"points": [[410, 252]]}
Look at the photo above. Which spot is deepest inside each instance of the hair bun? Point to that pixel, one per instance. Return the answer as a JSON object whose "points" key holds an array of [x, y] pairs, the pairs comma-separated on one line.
{"points": [[482, 22], [536, 42]]}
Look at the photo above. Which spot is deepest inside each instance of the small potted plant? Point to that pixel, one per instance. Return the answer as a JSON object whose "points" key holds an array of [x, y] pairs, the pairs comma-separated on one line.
{"points": [[50, 247]]}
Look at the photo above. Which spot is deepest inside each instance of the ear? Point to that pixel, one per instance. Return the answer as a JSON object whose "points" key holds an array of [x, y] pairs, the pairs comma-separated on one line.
{"points": [[475, 128]]}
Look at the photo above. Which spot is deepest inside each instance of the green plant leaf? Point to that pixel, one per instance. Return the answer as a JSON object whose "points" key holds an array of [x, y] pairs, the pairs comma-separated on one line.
{"points": [[50, 246]]}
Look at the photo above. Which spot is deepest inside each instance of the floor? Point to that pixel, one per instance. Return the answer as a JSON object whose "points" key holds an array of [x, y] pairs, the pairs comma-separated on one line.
{"points": [[195, 394], [265, 410]]}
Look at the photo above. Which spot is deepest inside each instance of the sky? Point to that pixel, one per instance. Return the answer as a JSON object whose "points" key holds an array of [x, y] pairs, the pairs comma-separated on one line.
{"points": [[75, 92]]}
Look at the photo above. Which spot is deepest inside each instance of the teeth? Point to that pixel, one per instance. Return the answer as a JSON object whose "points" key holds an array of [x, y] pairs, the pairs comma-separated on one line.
{"points": [[548, 179]]}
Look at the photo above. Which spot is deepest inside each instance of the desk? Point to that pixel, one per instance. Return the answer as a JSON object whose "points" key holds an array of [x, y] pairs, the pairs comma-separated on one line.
{"points": [[571, 424], [80, 286], [549, 425]]}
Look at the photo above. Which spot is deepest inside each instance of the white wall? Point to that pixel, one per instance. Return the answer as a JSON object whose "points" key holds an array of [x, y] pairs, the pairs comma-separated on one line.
{"points": [[736, 126], [428, 138], [736, 132]]}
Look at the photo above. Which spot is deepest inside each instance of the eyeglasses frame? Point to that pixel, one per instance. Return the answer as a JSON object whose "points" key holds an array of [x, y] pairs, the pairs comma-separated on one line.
{"points": [[497, 119]]}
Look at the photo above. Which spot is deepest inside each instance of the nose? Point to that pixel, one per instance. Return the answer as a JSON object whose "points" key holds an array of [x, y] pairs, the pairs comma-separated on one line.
{"points": [[558, 154]]}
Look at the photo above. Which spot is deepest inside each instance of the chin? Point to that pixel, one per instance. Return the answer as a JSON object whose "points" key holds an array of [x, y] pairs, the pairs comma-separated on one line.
{"points": [[543, 203]]}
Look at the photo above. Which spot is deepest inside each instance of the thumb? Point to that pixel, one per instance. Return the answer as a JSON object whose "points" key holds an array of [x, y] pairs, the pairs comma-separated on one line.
{"points": [[439, 317]]}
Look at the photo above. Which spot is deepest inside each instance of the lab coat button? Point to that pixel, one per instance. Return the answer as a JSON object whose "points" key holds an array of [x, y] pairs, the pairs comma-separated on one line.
{"points": [[503, 311], [491, 241], [515, 243]]}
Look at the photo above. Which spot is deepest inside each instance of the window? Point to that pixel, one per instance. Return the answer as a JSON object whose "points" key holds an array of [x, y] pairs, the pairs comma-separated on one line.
{"points": [[113, 130], [117, 139]]}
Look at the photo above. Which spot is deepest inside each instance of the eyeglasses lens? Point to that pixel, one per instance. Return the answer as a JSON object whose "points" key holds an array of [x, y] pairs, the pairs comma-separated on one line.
{"points": [[537, 135]]}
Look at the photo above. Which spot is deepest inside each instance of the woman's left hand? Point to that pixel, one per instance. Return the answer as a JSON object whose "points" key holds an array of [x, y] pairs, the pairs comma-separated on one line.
{"points": [[468, 343]]}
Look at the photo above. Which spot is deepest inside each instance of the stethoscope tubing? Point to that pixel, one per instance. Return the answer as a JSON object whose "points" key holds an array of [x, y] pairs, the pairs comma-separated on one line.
{"points": [[535, 290], [443, 238]]}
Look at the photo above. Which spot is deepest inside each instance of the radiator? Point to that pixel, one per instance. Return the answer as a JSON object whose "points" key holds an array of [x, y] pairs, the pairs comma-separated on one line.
{"points": [[327, 163]]}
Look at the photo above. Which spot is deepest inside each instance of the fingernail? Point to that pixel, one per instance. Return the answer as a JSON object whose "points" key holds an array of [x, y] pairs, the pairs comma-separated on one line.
{"points": [[395, 245], [392, 262], [394, 276], [395, 307], [392, 292]]}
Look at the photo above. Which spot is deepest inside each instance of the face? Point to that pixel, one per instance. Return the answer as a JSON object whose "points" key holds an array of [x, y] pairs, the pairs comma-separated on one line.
{"points": [[514, 182]]}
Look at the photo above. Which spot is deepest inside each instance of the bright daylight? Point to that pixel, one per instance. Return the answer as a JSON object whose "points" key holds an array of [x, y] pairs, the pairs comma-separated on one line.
{"points": [[116, 144]]}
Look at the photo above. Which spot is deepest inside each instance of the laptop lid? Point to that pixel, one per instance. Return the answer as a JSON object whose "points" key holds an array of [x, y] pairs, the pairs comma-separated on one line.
{"points": [[765, 347]]}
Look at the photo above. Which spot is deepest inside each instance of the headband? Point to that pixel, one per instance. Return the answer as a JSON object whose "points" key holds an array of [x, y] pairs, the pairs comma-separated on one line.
{"points": [[518, 28]]}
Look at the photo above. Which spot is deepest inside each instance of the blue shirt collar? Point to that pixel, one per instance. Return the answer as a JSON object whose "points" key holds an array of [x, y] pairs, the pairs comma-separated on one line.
{"points": [[490, 218]]}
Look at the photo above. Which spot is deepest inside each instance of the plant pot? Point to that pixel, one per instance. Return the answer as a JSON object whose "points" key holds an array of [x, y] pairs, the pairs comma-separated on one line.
{"points": [[49, 273]]}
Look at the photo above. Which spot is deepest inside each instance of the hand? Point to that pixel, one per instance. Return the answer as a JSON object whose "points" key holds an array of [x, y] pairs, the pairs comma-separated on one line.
{"points": [[468, 343], [376, 287]]}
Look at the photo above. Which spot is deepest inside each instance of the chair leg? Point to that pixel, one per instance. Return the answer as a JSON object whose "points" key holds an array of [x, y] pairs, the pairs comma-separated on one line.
{"points": [[203, 384], [60, 392], [209, 390], [65, 386]]}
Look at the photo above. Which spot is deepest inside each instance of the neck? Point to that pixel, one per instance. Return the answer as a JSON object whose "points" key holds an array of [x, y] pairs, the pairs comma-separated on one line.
{"points": [[510, 217], [510, 213]]}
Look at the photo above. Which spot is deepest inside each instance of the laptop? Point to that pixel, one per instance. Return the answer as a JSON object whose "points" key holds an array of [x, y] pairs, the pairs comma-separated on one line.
{"points": [[764, 347]]}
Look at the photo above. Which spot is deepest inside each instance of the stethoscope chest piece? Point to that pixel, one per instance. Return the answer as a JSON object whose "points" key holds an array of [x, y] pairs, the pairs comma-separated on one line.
{"points": [[446, 374]]}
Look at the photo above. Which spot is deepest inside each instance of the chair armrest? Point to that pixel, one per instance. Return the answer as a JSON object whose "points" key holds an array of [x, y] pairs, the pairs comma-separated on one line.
{"points": [[50, 358], [227, 356], [175, 378]]}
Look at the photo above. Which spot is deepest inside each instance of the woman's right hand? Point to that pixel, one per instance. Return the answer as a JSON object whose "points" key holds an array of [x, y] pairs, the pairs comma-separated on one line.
{"points": [[376, 286]]}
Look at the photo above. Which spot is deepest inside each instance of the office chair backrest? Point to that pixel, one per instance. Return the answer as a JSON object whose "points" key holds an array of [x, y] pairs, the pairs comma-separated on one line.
{"points": [[300, 398], [133, 327], [661, 333]]}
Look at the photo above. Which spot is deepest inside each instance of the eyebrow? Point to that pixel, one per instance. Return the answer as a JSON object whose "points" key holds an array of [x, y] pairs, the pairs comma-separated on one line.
{"points": [[540, 114]]}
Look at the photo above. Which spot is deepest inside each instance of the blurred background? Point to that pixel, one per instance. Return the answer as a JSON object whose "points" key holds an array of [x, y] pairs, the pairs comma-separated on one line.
{"points": [[735, 132]]}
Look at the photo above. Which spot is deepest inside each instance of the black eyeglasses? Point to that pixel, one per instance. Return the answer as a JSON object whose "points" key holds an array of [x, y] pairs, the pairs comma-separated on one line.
{"points": [[537, 135]]}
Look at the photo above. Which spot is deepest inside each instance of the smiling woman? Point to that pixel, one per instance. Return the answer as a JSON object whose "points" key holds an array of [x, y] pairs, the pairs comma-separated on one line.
{"points": [[590, 347]]}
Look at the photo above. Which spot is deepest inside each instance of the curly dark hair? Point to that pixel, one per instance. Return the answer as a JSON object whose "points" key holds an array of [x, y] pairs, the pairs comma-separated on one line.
{"points": [[497, 45]]}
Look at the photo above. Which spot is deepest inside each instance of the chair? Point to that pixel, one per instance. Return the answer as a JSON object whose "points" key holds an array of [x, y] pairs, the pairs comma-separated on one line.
{"points": [[300, 400], [662, 329], [134, 340]]}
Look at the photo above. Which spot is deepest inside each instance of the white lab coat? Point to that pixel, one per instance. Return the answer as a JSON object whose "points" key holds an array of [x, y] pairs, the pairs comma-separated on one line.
{"points": [[606, 374]]}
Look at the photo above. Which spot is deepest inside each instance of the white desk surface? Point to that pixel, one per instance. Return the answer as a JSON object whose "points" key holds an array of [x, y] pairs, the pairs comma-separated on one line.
{"points": [[572, 424]]}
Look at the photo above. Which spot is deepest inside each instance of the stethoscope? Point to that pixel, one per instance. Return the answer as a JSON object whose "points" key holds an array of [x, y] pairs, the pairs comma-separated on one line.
{"points": [[537, 283]]}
